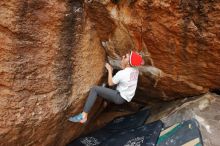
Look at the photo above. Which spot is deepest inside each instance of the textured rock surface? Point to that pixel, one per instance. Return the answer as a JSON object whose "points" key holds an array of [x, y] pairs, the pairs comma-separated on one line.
{"points": [[51, 54], [179, 39], [205, 109]]}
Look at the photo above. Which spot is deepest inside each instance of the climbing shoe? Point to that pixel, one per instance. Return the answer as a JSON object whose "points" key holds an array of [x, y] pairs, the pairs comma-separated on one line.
{"points": [[76, 118]]}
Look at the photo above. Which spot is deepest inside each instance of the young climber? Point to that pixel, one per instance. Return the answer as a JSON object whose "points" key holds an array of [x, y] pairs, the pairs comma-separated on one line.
{"points": [[126, 80]]}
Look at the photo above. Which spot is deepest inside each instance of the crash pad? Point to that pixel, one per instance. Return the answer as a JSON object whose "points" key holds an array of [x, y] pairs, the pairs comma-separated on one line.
{"points": [[186, 133]]}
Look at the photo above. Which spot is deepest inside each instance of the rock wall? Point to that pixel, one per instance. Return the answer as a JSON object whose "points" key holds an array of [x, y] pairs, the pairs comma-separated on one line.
{"points": [[179, 40], [52, 52], [50, 57]]}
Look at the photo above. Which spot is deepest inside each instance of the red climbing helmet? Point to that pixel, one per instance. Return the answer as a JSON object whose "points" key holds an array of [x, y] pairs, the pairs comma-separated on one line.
{"points": [[135, 59]]}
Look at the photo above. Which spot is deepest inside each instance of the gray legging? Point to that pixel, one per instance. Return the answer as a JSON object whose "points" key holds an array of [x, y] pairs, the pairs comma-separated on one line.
{"points": [[106, 93]]}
